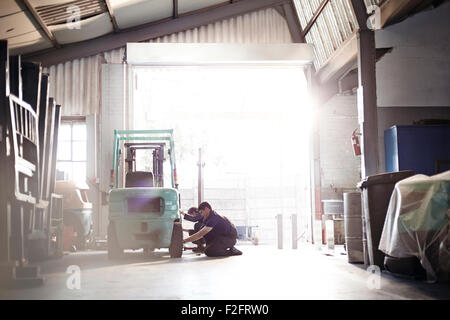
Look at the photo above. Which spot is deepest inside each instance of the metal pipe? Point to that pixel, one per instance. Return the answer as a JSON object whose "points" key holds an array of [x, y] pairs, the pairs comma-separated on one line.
{"points": [[280, 230], [294, 231], [200, 176]]}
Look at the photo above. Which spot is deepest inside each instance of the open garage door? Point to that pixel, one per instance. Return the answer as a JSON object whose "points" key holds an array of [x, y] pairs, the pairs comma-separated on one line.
{"points": [[247, 108]]}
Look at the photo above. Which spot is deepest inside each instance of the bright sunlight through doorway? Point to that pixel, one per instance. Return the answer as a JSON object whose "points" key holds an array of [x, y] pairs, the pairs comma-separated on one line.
{"points": [[253, 126]]}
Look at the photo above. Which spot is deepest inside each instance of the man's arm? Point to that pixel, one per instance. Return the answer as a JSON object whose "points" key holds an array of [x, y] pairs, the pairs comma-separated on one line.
{"points": [[188, 217], [198, 235], [191, 217]]}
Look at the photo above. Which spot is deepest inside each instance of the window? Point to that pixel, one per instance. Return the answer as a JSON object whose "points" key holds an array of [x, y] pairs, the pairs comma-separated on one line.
{"points": [[71, 160]]}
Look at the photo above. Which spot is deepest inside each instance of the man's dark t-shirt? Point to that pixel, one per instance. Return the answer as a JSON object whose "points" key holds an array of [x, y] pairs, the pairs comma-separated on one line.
{"points": [[219, 225]]}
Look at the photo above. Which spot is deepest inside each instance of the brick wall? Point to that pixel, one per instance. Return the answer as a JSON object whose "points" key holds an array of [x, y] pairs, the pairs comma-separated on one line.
{"points": [[111, 118], [340, 169]]}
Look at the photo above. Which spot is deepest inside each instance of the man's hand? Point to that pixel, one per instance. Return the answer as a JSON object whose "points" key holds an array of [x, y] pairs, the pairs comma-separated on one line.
{"points": [[198, 235]]}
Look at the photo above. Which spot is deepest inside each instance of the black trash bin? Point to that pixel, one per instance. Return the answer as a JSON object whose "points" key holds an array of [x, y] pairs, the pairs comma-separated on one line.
{"points": [[377, 191]]}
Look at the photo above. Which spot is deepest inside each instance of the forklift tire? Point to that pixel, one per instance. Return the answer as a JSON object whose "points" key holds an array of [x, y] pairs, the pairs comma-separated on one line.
{"points": [[176, 245], [114, 251]]}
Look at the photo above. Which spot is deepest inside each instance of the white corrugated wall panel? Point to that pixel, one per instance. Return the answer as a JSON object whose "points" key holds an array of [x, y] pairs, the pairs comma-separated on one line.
{"points": [[76, 84]]}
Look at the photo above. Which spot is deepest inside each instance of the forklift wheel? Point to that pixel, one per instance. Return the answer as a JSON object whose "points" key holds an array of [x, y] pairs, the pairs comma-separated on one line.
{"points": [[114, 251], [176, 245]]}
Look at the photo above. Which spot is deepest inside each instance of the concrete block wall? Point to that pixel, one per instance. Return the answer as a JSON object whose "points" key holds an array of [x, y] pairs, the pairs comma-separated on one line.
{"points": [[111, 118], [339, 168], [417, 71]]}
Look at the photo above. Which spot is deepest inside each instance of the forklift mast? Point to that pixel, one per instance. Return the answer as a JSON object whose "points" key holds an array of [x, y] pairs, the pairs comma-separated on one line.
{"points": [[157, 156], [131, 140]]}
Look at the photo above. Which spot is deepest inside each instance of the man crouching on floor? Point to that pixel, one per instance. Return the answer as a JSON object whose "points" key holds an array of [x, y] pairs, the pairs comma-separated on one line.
{"points": [[219, 233]]}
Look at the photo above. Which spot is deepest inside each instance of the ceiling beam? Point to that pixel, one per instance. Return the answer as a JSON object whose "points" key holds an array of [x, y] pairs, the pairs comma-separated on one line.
{"points": [[392, 10], [280, 10], [314, 17], [361, 15], [41, 23], [347, 52], [117, 40], [348, 81], [111, 15], [345, 57], [340, 61], [293, 22]]}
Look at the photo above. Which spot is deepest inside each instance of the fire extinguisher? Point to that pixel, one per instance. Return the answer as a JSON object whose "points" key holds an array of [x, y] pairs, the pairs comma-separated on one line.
{"points": [[355, 143]]}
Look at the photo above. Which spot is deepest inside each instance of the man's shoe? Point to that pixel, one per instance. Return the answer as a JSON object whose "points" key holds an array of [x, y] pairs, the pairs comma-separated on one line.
{"points": [[235, 252]]}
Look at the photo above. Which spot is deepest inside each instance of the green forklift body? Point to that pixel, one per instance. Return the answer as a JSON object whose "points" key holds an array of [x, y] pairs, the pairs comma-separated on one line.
{"points": [[143, 217]]}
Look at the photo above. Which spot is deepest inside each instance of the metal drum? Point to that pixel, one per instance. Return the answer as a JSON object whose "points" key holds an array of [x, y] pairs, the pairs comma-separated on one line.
{"points": [[334, 210], [353, 227]]}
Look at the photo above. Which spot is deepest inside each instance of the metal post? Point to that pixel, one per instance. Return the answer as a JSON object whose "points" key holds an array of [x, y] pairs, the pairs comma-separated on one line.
{"points": [[367, 92], [314, 149], [280, 230], [200, 165], [317, 234], [367, 103], [4, 115], [199, 176], [294, 231]]}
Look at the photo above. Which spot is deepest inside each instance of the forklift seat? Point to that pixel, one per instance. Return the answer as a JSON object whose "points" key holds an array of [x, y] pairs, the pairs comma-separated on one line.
{"points": [[139, 179]]}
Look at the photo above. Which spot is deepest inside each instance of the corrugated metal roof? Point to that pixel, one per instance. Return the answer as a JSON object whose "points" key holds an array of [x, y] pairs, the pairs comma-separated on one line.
{"points": [[61, 13], [327, 23], [25, 35], [333, 26]]}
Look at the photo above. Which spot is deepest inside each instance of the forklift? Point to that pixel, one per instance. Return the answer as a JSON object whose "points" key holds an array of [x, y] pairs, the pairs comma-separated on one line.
{"points": [[143, 211]]}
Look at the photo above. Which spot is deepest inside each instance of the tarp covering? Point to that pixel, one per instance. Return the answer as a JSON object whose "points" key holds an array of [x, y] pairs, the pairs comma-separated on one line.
{"points": [[417, 223]]}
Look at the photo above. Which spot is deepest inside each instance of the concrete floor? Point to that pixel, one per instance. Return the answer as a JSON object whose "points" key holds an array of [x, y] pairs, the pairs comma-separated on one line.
{"points": [[262, 272]]}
